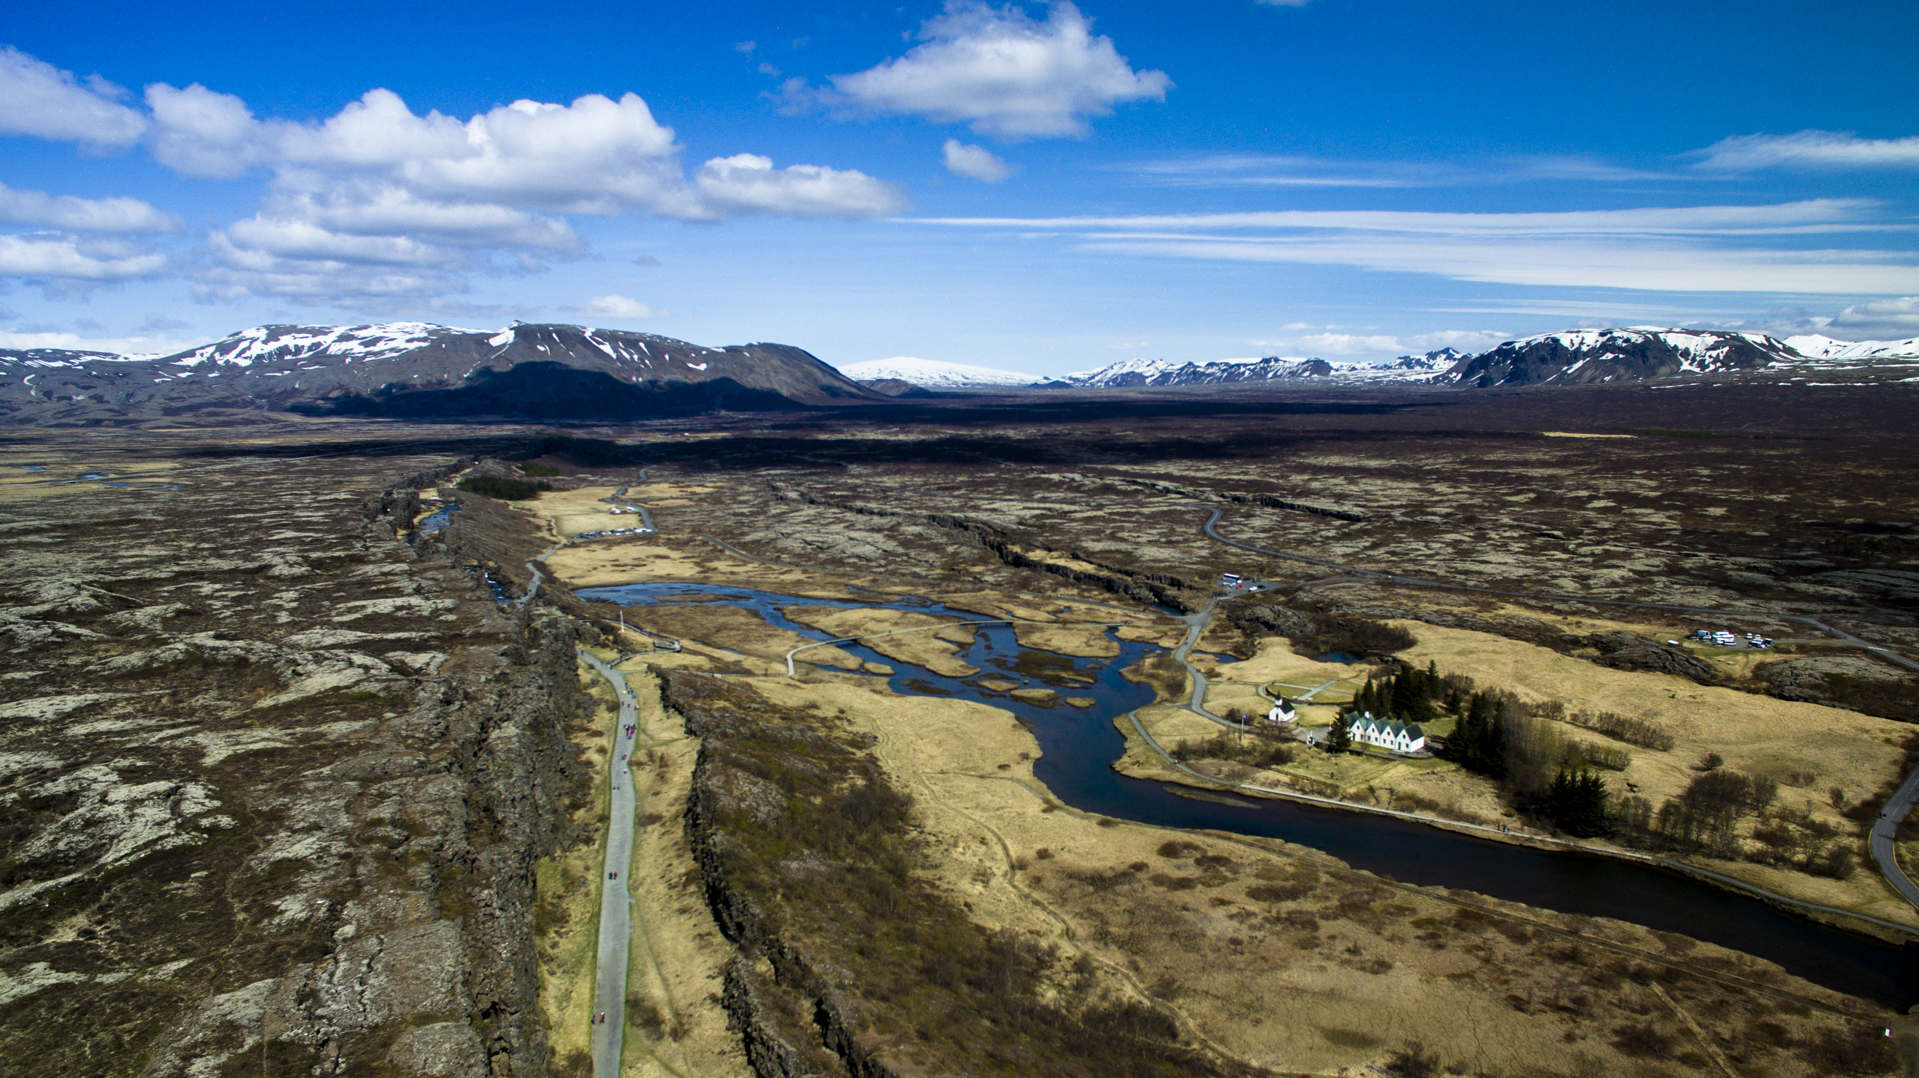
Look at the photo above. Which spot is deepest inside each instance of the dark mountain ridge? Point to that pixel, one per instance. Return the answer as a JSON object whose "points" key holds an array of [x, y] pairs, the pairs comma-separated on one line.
{"points": [[415, 370]]}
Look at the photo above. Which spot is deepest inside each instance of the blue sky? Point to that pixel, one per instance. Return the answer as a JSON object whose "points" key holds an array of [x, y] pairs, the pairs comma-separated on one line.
{"points": [[1038, 187]]}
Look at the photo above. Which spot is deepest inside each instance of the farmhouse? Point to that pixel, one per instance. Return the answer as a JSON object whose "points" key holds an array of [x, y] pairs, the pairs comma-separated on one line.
{"points": [[1396, 736]]}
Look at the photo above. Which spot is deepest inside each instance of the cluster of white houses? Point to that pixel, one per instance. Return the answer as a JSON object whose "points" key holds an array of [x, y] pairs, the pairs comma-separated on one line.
{"points": [[1396, 736], [1363, 728], [1723, 638]]}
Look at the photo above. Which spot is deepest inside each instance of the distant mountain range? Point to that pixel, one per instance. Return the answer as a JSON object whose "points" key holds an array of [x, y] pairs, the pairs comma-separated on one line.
{"points": [[1146, 373], [1597, 356], [1572, 357], [416, 370], [544, 371]]}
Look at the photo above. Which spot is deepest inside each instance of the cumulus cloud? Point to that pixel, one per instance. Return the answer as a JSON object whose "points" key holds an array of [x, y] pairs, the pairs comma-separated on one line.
{"points": [[975, 162], [1003, 73], [1346, 344], [23, 207], [1881, 319], [290, 238], [748, 183], [199, 132], [1465, 340], [380, 185], [617, 307], [46, 102], [64, 257], [380, 208], [1808, 150]]}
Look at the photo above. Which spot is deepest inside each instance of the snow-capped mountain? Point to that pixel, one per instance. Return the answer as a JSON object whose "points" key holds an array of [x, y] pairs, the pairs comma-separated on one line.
{"points": [[344, 344], [1160, 372], [1590, 356], [1132, 373], [933, 374], [1816, 346], [420, 370]]}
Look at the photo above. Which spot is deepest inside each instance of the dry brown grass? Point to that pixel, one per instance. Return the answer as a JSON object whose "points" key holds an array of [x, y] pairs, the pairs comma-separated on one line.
{"points": [[677, 954], [1272, 953]]}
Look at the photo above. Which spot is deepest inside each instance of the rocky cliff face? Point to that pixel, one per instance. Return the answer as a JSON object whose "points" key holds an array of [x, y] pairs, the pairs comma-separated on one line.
{"points": [[275, 782]]}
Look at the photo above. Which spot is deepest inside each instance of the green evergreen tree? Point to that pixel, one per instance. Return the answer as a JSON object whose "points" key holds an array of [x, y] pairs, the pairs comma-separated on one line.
{"points": [[1340, 737]]}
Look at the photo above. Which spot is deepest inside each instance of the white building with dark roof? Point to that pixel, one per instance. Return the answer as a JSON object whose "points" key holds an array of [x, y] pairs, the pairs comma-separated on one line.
{"points": [[1393, 736]]}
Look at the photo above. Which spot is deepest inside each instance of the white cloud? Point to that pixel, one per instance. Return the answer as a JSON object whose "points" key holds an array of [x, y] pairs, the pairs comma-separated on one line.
{"points": [[381, 208], [1275, 170], [64, 257], [23, 207], [1880, 319], [291, 238], [1003, 73], [975, 162], [1567, 264], [1829, 214], [139, 345], [1336, 344], [379, 185], [1382, 344], [46, 102], [1808, 149], [748, 183], [198, 132], [621, 308], [1465, 340], [1678, 249]]}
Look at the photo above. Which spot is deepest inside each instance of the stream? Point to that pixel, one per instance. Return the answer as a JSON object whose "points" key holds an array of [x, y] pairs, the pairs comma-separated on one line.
{"points": [[1078, 747]]}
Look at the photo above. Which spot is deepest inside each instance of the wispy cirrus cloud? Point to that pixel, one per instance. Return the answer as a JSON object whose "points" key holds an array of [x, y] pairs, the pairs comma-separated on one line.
{"points": [[1684, 249], [1808, 150], [1285, 170]]}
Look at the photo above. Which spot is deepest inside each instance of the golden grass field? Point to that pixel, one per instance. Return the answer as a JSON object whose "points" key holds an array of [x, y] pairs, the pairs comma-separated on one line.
{"points": [[1266, 953]]}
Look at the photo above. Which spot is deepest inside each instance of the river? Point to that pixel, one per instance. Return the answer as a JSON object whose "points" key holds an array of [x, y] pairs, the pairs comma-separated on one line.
{"points": [[1079, 746]]}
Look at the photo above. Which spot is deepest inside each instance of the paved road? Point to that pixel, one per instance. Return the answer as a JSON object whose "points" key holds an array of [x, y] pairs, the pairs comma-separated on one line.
{"points": [[616, 925], [618, 497], [1883, 830], [1903, 799], [1196, 623]]}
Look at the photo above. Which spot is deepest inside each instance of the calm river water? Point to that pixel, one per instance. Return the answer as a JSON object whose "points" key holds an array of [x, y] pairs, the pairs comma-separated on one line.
{"points": [[1078, 747]]}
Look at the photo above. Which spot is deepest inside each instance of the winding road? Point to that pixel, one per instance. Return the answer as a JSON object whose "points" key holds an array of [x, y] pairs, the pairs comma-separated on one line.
{"points": [[616, 918], [1884, 829]]}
